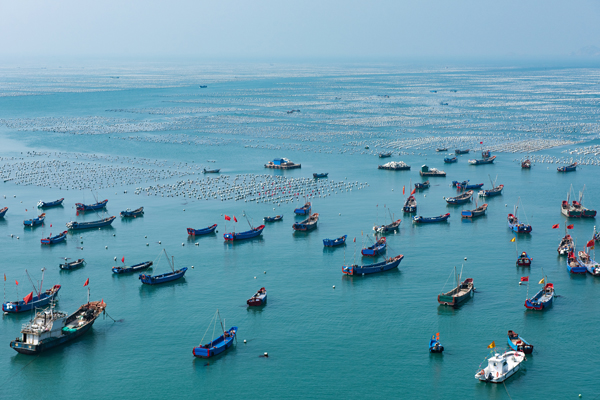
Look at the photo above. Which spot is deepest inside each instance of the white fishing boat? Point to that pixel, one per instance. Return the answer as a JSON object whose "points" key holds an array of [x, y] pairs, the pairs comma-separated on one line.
{"points": [[501, 367]]}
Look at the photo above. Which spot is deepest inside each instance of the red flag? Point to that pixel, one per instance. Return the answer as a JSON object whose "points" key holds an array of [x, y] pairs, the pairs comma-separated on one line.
{"points": [[17, 283], [590, 243], [403, 192], [123, 260], [570, 226], [554, 226], [86, 282], [413, 191], [354, 240], [28, 298], [50, 225], [524, 279], [234, 218], [227, 218]]}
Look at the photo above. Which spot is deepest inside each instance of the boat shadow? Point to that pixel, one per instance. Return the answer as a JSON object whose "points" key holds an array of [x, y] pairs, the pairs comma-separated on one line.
{"points": [[50, 246], [355, 279], [149, 289], [194, 238], [237, 243], [330, 249], [128, 220], [472, 220]]}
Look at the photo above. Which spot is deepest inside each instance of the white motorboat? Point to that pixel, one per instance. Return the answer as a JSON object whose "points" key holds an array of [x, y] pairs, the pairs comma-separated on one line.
{"points": [[501, 367]]}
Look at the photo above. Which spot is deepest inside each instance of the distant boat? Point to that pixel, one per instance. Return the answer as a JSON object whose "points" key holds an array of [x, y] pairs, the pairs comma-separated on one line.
{"points": [[72, 265], [308, 224], [217, 345], [380, 229], [426, 171], [434, 344], [304, 210], [31, 302], [517, 343], [567, 168], [469, 186], [450, 160], [440, 149], [74, 225], [566, 245], [425, 220], [43, 204], [55, 239], [462, 292], [386, 265], [259, 298], [501, 367], [252, 233], [576, 209], [460, 199], [573, 264], [385, 155], [211, 171], [458, 151], [524, 260], [478, 212], [423, 185], [526, 164], [494, 191], [410, 205], [320, 175], [3, 211], [376, 249], [134, 268], [586, 260], [542, 299], [166, 277], [132, 213], [203, 231], [484, 161], [90, 207], [335, 242], [395, 166], [514, 224], [273, 219], [35, 221]]}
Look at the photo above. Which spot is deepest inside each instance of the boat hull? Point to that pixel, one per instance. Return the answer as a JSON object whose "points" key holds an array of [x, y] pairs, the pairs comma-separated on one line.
{"points": [[231, 237], [164, 278], [32, 349], [221, 345], [91, 207], [335, 242], [430, 220], [374, 268], [200, 232], [43, 204], [133, 268], [76, 226], [19, 307]]}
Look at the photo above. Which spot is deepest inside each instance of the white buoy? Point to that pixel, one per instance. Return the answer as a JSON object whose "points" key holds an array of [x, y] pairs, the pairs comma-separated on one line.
{"points": [[264, 272], [159, 242], [147, 244], [266, 354], [244, 340], [334, 286], [115, 258], [114, 234], [11, 235], [197, 244], [145, 236], [192, 267], [17, 237], [465, 258], [106, 247], [183, 244]]}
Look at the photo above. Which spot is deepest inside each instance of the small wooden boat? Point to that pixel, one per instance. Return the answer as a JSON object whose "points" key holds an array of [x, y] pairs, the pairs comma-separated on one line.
{"points": [[385, 155], [74, 225], [462, 292], [134, 268], [259, 298], [469, 186], [211, 171], [320, 175], [517, 343], [308, 224], [273, 219], [252, 233], [386, 265], [90, 207], [489, 160], [589, 263], [335, 242], [55, 239], [440, 149], [461, 199], [410, 205], [378, 248], [216, 346], [166, 277], [426, 171], [566, 245], [573, 264], [526, 164], [203, 231], [496, 191], [501, 367], [304, 210], [72, 265], [426, 220], [478, 212], [567, 168], [380, 229], [524, 260], [132, 213], [542, 299], [434, 344], [516, 226], [3, 211], [423, 185], [450, 160], [35, 221], [457, 151], [395, 166], [55, 203]]}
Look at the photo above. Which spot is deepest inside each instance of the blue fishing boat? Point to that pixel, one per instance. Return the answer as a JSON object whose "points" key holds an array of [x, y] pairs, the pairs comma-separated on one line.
{"points": [[450, 160], [524, 260], [542, 299], [3, 211], [134, 268], [381, 229], [434, 344], [378, 248], [304, 210], [218, 345], [211, 171], [55, 239], [470, 186], [516, 226], [423, 185], [31, 302], [308, 224], [458, 151], [74, 225], [166, 277], [90, 207], [517, 343], [320, 175], [252, 233], [496, 191], [55, 203], [460, 199], [574, 266], [385, 155], [489, 160], [132, 213], [386, 265], [35, 221], [72, 264], [459, 183], [204, 231], [335, 242], [567, 168], [273, 219], [425, 220]]}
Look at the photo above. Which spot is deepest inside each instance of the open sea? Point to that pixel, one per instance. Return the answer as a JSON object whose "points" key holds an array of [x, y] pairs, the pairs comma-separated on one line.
{"points": [[141, 134]]}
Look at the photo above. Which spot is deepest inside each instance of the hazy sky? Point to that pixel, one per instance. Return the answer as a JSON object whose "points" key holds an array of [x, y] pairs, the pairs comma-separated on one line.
{"points": [[301, 28]]}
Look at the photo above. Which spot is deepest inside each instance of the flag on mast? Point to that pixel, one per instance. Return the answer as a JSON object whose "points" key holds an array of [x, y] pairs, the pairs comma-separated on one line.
{"points": [[28, 298], [492, 345], [87, 281]]}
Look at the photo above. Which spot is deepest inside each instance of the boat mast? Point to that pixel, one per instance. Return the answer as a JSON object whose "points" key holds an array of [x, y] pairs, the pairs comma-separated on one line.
{"points": [[31, 281]]}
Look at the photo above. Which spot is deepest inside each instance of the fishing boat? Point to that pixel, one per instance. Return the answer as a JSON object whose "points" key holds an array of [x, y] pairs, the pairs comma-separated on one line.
{"points": [[395, 166], [542, 299], [252, 233], [386, 265], [132, 213], [55, 239], [526, 164], [376, 249], [166, 277], [501, 367], [427, 220], [203, 231], [74, 225], [586, 260], [573, 264], [486, 153], [134, 268], [72, 265], [385, 155], [489, 160], [51, 328], [450, 160], [282, 163], [335, 242], [304, 210], [514, 224], [496, 191], [423, 185], [273, 219], [259, 298], [460, 199], [410, 205], [211, 171], [458, 151], [524, 260], [469, 186], [576, 208], [517, 343], [458, 184], [218, 345], [440, 149], [89, 207], [31, 302], [566, 245], [477, 212], [3, 211], [567, 168], [380, 229], [320, 175], [55, 203], [308, 224], [434, 344], [426, 171], [462, 292], [35, 221]]}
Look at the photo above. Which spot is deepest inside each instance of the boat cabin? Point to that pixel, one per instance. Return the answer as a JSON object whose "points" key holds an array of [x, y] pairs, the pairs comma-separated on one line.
{"points": [[497, 366], [46, 324]]}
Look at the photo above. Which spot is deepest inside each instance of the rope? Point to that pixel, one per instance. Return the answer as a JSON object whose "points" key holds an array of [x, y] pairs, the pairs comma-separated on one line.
{"points": [[16, 373], [114, 320], [447, 282], [508, 394], [202, 340]]}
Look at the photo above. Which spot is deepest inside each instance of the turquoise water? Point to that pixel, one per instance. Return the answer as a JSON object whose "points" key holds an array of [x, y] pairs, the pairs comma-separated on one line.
{"points": [[368, 336]]}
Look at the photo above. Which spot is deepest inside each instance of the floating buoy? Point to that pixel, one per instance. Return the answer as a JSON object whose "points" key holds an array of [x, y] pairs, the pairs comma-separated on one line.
{"points": [[244, 340], [465, 258], [17, 237], [183, 244], [264, 272], [254, 277], [145, 236], [197, 244], [146, 244], [11, 235], [106, 247], [159, 242], [266, 354], [114, 234], [192, 267], [334, 286], [115, 258]]}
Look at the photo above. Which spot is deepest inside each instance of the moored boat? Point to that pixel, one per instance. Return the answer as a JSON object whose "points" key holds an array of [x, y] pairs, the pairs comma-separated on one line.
{"points": [[320, 175], [304, 210], [211, 171], [31, 302], [282, 163], [458, 151], [524, 260], [496, 191], [517, 343], [516, 226], [132, 213], [252, 233], [440, 149], [573, 264], [73, 264], [273, 219], [380, 229], [501, 367], [462, 292], [410, 205], [586, 260], [542, 299], [450, 160], [566, 245], [477, 212], [469, 186], [385, 155], [567, 168], [203, 231], [460, 199], [48, 204], [386, 265], [335, 242], [422, 185], [308, 224], [89, 207], [74, 225], [259, 298], [395, 166], [216, 346], [376, 249], [434, 344], [426, 171], [489, 160], [166, 277], [55, 239], [3, 211], [35, 221], [425, 220], [134, 268], [526, 164]]}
